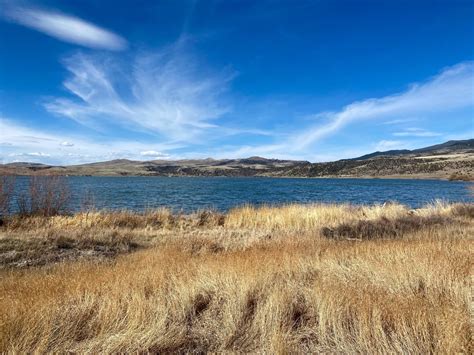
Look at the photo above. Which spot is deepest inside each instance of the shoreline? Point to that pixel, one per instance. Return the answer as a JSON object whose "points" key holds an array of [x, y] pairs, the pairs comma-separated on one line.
{"points": [[364, 177]]}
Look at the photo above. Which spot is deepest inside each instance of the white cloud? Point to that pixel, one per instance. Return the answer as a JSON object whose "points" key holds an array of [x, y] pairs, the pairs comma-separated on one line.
{"points": [[154, 153], [451, 89], [166, 93], [66, 28], [67, 144], [416, 132], [33, 154], [398, 121]]}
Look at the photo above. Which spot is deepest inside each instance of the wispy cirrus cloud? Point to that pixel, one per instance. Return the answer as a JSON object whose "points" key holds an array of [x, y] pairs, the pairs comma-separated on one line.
{"points": [[447, 92], [166, 92], [64, 27], [416, 132], [399, 121], [451, 89]]}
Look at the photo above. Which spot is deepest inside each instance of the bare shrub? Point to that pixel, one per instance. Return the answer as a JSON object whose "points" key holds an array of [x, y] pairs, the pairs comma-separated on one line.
{"points": [[210, 218], [464, 210], [46, 196], [7, 187], [383, 227]]}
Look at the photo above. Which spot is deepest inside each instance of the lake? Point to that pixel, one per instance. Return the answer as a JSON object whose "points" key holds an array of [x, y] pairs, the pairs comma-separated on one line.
{"points": [[222, 193]]}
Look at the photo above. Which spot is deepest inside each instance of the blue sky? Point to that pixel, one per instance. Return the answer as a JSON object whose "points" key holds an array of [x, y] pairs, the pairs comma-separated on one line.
{"points": [[84, 81]]}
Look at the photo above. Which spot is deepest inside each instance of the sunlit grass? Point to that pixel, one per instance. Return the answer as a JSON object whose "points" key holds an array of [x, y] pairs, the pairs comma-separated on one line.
{"points": [[256, 280]]}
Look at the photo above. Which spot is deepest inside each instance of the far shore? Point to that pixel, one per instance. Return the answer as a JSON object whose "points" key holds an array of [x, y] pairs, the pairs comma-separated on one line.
{"points": [[362, 177]]}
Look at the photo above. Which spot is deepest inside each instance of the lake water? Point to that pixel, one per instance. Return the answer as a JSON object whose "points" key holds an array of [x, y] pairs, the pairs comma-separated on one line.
{"points": [[222, 193]]}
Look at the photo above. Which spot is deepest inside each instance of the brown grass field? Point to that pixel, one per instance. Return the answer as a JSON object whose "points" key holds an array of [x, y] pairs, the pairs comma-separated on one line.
{"points": [[290, 279]]}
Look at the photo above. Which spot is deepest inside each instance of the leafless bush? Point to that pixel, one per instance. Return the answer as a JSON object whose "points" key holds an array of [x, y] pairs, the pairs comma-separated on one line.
{"points": [[210, 218], [45, 196], [7, 187], [383, 227], [464, 210]]}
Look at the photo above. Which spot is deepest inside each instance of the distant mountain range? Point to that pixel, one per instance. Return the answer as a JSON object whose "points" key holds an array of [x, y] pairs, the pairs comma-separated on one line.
{"points": [[443, 148], [450, 160]]}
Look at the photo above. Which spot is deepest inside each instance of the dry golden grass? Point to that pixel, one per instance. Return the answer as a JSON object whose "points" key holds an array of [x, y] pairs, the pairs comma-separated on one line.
{"points": [[256, 280]]}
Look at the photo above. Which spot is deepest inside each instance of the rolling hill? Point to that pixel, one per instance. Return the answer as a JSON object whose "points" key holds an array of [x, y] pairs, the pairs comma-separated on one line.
{"points": [[452, 159], [444, 148]]}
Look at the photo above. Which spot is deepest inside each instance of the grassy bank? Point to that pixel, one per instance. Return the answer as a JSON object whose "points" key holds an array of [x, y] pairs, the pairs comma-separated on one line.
{"points": [[319, 278]]}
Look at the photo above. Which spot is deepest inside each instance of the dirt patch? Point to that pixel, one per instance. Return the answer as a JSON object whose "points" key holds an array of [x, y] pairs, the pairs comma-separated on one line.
{"points": [[21, 252]]}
